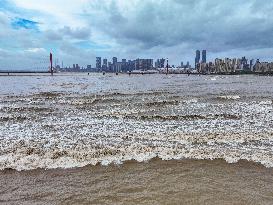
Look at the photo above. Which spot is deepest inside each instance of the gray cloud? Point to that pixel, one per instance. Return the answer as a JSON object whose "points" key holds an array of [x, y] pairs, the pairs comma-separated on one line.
{"points": [[78, 33], [151, 29], [215, 25], [53, 35], [66, 31]]}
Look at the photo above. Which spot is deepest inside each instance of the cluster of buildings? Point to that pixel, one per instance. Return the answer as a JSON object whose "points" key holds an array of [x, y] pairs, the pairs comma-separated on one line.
{"points": [[235, 65], [219, 66], [103, 65], [229, 66]]}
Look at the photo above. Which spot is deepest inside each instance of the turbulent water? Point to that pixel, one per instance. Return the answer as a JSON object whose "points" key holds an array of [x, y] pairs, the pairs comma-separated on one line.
{"points": [[75, 120]]}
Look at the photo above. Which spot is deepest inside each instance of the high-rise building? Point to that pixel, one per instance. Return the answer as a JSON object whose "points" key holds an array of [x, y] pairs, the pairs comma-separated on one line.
{"points": [[204, 56], [115, 60], [98, 62], [123, 65], [144, 64], [131, 65], [104, 64], [197, 57], [251, 64], [160, 63]]}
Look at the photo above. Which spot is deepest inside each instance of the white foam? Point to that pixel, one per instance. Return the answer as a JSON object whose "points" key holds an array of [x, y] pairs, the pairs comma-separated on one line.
{"points": [[230, 97], [77, 132]]}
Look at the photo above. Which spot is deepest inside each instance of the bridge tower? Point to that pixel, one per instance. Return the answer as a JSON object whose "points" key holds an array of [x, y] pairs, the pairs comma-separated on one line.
{"points": [[51, 61], [167, 67]]}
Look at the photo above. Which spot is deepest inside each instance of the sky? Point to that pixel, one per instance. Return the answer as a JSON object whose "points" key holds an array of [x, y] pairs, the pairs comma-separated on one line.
{"points": [[76, 31]]}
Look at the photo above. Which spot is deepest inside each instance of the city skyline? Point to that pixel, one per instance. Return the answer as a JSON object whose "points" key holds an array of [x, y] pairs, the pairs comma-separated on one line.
{"points": [[82, 30]]}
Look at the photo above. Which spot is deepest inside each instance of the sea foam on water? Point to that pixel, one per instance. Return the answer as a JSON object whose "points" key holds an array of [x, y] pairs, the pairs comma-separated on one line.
{"points": [[185, 118]]}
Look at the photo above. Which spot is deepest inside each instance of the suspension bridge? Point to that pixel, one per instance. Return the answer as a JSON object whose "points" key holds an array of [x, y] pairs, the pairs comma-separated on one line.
{"points": [[33, 65]]}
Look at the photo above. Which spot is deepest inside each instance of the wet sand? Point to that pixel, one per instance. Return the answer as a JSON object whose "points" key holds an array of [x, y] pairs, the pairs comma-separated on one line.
{"points": [[153, 182]]}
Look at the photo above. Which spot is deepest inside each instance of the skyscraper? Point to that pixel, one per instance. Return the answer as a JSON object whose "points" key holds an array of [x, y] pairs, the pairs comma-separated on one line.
{"points": [[204, 56], [160, 63], [197, 57], [98, 62], [104, 65], [115, 60], [144, 64]]}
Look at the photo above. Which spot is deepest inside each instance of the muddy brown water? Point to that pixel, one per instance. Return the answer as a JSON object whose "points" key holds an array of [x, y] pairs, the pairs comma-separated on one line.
{"points": [[153, 182]]}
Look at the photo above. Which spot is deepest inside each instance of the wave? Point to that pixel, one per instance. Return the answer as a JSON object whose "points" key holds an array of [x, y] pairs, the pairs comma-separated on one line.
{"points": [[30, 154], [60, 130], [63, 160], [229, 97]]}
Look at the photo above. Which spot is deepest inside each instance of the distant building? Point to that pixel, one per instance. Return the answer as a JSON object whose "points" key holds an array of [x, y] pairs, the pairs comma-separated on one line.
{"points": [[204, 56], [104, 65], [160, 63], [251, 65], [114, 65], [144, 64], [98, 63], [197, 57], [131, 65], [115, 60], [123, 65]]}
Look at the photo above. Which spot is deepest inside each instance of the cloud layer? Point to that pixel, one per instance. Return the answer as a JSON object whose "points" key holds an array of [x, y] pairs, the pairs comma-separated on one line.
{"points": [[80, 30]]}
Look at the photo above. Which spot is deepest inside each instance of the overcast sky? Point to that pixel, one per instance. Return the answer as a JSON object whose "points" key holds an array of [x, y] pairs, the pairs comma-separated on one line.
{"points": [[77, 31]]}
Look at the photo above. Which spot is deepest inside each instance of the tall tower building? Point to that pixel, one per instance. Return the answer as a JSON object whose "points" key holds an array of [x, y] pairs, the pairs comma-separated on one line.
{"points": [[204, 56], [104, 64], [197, 57], [115, 60], [98, 62]]}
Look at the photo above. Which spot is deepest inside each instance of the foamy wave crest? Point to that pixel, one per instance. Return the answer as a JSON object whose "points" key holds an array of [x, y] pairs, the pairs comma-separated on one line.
{"points": [[27, 155], [229, 97]]}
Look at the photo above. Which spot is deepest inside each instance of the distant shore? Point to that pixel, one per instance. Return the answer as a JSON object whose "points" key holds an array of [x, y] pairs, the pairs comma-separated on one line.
{"points": [[27, 73]]}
